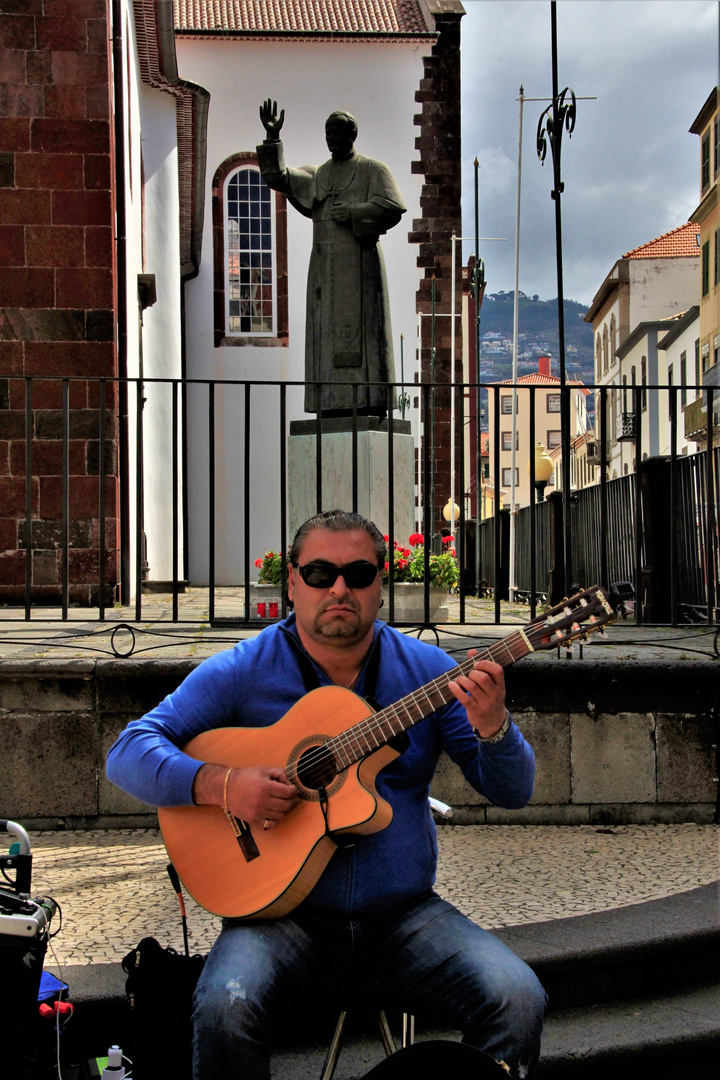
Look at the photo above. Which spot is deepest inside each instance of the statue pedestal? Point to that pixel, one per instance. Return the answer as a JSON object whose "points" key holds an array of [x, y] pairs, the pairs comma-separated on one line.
{"points": [[337, 472]]}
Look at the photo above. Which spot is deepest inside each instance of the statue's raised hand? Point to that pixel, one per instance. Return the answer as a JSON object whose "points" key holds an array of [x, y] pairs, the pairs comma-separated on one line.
{"points": [[271, 121]]}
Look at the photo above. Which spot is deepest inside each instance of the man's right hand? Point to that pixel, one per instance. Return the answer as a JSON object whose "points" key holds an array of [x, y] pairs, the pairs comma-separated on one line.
{"points": [[260, 795], [271, 121]]}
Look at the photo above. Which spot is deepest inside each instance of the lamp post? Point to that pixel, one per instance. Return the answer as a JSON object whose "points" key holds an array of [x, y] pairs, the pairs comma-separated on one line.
{"points": [[542, 469]]}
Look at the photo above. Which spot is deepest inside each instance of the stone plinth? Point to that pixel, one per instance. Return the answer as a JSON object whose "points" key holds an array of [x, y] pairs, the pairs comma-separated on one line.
{"points": [[337, 472]]}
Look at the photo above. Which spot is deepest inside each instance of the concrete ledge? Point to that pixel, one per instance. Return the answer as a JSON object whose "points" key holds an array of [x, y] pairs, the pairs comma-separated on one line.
{"points": [[616, 741]]}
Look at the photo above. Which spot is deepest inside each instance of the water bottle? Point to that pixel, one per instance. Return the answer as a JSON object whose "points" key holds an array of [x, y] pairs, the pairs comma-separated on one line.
{"points": [[114, 1070]]}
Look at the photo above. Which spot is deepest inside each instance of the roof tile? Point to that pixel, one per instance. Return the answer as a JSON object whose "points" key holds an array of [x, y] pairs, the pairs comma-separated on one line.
{"points": [[677, 244], [300, 16]]}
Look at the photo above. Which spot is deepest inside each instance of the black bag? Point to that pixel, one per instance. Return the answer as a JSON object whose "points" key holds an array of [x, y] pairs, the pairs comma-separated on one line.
{"points": [[159, 987], [438, 1057]]}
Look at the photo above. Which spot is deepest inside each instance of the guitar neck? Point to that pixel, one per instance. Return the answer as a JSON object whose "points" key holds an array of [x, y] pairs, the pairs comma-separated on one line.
{"points": [[379, 728]]}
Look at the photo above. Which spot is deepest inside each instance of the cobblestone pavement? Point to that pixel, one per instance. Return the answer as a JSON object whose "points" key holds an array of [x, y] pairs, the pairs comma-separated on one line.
{"points": [[83, 636], [113, 888]]}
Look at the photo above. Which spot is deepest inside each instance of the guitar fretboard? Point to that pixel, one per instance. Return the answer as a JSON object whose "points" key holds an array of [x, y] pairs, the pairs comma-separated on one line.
{"points": [[377, 730]]}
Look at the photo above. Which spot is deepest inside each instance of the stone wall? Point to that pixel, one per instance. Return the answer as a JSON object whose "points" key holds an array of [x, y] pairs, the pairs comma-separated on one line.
{"points": [[616, 742], [58, 296]]}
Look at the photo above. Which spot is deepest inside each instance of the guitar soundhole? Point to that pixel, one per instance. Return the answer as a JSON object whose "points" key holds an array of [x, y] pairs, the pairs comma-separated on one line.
{"points": [[316, 768]]}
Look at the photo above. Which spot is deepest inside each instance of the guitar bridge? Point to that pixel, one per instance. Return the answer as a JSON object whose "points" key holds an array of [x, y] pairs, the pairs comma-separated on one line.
{"points": [[244, 837]]}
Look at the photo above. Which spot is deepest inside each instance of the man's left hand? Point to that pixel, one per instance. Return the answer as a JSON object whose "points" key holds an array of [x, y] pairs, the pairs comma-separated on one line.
{"points": [[482, 692]]}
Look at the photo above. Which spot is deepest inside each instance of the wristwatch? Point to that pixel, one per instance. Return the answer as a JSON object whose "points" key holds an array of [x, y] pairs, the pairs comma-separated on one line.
{"points": [[499, 735]]}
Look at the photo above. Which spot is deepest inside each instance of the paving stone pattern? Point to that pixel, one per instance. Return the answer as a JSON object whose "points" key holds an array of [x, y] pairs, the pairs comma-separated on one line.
{"points": [[114, 890]]}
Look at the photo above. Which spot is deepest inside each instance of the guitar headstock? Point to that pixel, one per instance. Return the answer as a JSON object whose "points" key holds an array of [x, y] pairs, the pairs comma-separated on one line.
{"points": [[577, 617]]}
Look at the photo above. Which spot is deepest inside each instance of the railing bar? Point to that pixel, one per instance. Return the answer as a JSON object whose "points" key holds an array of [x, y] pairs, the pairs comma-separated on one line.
{"points": [[639, 597], [139, 502], [283, 502], [496, 502], [391, 503], [211, 500], [355, 448], [28, 496], [710, 513], [175, 514], [604, 572], [249, 614], [101, 498], [460, 444], [427, 465], [65, 495], [533, 508], [318, 449], [672, 391]]}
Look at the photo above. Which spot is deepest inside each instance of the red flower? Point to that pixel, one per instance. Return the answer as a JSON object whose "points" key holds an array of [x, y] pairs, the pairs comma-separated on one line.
{"points": [[258, 562], [453, 552], [387, 565], [416, 538], [386, 538], [447, 539]]}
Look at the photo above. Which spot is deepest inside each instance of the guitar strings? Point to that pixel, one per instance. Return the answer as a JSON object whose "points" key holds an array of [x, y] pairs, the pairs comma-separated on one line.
{"points": [[348, 743]]}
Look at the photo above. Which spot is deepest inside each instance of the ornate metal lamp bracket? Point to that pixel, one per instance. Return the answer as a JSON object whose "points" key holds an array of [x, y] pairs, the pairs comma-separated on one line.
{"points": [[561, 112]]}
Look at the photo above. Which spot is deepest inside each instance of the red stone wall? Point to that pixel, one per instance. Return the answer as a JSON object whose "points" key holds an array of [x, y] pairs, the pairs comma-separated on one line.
{"points": [[440, 204], [57, 293]]}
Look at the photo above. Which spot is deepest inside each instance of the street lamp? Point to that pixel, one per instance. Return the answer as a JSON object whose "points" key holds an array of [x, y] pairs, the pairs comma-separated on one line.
{"points": [[451, 512], [543, 470]]}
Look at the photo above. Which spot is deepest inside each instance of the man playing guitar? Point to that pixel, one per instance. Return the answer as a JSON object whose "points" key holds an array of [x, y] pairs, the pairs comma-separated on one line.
{"points": [[359, 915]]}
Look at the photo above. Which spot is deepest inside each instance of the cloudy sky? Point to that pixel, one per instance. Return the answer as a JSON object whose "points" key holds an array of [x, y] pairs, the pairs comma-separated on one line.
{"points": [[631, 168]]}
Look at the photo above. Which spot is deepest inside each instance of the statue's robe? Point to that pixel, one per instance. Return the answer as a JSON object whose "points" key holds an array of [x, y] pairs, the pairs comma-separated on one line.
{"points": [[348, 337]]}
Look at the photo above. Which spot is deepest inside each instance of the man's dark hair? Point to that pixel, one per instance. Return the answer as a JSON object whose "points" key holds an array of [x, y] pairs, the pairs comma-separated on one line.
{"points": [[339, 521]]}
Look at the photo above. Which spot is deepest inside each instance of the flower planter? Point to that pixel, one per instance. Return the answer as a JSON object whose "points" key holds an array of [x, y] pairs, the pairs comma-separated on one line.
{"points": [[409, 598], [261, 599]]}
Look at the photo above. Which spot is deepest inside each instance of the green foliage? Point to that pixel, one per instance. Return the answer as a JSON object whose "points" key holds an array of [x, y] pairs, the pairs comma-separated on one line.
{"points": [[270, 566]]}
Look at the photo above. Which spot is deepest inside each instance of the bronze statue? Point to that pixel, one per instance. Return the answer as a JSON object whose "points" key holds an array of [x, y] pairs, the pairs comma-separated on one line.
{"points": [[351, 200]]}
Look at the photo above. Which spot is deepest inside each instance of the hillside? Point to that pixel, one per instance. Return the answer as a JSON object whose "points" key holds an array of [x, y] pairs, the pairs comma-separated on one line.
{"points": [[537, 332]]}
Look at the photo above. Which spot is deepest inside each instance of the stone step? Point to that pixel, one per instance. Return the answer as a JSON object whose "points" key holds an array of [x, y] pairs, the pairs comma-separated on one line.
{"points": [[606, 974]]}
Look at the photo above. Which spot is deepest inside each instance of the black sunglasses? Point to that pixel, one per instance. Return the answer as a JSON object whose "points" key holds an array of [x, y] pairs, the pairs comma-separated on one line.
{"points": [[356, 575]]}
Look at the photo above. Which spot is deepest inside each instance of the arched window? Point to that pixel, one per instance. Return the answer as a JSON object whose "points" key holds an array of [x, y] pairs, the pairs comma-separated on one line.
{"points": [[250, 256], [613, 340], [605, 348], [598, 358]]}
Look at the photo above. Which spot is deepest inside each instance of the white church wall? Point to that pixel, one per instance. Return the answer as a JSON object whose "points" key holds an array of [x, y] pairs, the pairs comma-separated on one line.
{"points": [[161, 329], [375, 82]]}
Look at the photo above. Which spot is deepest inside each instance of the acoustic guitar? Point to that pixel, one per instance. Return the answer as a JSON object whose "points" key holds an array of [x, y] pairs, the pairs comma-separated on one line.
{"points": [[332, 746]]}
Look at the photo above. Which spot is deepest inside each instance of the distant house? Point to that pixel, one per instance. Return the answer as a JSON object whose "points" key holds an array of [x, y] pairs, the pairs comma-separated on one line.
{"points": [[655, 281], [547, 424]]}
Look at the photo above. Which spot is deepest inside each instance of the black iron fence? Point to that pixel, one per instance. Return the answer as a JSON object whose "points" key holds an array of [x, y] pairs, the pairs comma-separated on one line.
{"points": [[103, 475]]}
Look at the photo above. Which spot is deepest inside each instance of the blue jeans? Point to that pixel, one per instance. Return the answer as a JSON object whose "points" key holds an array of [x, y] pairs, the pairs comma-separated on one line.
{"points": [[424, 957]]}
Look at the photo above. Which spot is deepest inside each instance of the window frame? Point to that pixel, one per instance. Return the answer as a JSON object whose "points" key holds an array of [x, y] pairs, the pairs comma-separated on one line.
{"points": [[221, 334], [705, 269], [705, 161], [506, 437], [553, 398], [507, 470], [555, 441]]}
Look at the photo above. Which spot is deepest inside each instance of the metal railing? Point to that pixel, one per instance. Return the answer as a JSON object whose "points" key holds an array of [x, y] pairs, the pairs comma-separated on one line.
{"points": [[206, 459]]}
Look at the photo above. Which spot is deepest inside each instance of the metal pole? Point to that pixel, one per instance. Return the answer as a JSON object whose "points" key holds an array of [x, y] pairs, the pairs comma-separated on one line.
{"points": [[516, 314], [478, 457], [452, 391]]}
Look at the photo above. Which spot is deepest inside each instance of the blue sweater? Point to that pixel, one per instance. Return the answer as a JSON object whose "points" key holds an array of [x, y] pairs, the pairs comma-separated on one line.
{"points": [[256, 682]]}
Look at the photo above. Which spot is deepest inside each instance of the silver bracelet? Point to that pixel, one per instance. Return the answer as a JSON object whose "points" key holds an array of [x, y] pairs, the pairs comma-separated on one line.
{"points": [[499, 735]]}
